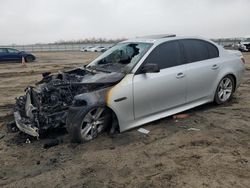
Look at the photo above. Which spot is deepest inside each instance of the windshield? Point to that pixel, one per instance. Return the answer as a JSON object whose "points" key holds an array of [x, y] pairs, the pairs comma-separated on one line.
{"points": [[120, 58]]}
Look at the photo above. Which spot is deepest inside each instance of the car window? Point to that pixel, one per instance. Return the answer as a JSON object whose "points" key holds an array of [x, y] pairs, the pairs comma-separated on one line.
{"points": [[195, 50], [212, 50], [121, 57], [198, 50], [166, 55], [3, 50], [12, 50]]}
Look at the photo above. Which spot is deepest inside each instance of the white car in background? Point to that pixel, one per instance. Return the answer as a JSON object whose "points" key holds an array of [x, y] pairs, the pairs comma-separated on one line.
{"points": [[98, 49], [86, 49], [93, 49]]}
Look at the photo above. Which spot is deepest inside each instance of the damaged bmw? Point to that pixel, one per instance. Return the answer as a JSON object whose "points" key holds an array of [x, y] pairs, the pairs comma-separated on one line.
{"points": [[134, 82]]}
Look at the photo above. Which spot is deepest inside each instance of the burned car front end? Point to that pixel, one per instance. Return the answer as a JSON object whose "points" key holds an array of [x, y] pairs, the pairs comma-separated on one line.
{"points": [[46, 105], [76, 99]]}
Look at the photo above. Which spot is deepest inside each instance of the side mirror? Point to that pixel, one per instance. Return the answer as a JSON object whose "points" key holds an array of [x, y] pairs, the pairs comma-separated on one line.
{"points": [[150, 68]]}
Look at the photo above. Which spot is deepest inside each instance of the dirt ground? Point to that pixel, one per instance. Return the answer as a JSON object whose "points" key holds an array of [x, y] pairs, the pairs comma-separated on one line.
{"points": [[169, 156]]}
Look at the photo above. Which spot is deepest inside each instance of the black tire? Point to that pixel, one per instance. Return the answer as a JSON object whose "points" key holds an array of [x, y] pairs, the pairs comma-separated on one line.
{"points": [[217, 98], [29, 58], [75, 129]]}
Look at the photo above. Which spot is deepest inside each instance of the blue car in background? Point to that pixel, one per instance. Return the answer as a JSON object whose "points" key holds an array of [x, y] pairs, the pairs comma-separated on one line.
{"points": [[10, 54]]}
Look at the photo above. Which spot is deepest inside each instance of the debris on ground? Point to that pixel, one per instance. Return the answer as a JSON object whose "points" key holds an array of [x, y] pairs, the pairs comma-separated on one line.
{"points": [[193, 129], [52, 143], [27, 141], [180, 116], [144, 131], [11, 127], [2, 136]]}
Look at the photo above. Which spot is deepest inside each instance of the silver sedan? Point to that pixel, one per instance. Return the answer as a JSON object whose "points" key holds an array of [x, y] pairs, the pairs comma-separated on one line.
{"points": [[163, 75]]}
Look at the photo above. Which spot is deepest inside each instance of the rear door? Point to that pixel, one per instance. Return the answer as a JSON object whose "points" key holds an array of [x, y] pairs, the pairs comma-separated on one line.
{"points": [[202, 60], [158, 92]]}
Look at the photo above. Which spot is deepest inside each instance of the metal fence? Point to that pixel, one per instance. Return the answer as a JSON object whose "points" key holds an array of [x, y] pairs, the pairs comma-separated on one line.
{"points": [[77, 47], [52, 47]]}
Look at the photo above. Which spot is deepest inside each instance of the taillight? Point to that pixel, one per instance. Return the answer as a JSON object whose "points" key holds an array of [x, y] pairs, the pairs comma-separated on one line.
{"points": [[243, 60]]}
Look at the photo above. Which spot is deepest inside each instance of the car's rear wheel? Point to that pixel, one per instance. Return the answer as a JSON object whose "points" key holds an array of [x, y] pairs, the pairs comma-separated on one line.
{"points": [[29, 58], [94, 122], [224, 90]]}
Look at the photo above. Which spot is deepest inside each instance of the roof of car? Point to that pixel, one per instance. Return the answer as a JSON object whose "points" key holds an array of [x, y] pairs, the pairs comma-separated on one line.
{"points": [[150, 38], [156, 39], [158, 36]]}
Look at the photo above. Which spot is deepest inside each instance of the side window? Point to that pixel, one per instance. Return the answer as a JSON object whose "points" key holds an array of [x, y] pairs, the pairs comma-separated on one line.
{"points": [[10, 50], [212, 51], [166, 55], [195, 50], [3, 50], [198, 50]]}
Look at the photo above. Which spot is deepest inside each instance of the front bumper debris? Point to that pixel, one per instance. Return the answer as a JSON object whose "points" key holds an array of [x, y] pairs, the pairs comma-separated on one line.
{"points": [[25, 127]]}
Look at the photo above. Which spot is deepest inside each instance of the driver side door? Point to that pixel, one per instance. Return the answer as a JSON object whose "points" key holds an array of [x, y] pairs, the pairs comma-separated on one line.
{"points": [[158, 92]]}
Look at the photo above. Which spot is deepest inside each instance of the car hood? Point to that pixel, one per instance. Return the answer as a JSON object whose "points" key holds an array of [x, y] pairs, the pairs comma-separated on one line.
{"points": [[101, 77], [81, 76]]}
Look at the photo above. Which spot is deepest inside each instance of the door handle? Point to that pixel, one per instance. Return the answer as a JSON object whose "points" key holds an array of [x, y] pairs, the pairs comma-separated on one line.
{"points": [[214, 67], [180, 75]]}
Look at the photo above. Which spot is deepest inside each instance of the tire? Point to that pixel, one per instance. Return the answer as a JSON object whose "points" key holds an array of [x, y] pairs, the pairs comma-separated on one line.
{"points": [[93, 121], [225, 89], [29, 58]]}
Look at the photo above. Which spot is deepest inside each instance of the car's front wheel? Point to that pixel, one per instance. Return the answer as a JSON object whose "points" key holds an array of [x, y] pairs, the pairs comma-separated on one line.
{"points": [[94, 121], [224, 90]]}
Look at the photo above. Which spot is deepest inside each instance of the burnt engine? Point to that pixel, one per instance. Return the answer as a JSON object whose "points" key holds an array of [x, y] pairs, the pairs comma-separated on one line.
{"points": [[45, 106]]}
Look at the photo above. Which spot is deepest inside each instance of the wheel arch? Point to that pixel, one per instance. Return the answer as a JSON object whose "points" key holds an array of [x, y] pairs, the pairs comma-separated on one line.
{"points": [[95, 98], [235, 81], [114, 121]]}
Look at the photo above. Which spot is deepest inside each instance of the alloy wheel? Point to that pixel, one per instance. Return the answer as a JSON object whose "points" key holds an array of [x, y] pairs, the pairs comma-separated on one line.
{"points": [[93, 123], [225, 89]]}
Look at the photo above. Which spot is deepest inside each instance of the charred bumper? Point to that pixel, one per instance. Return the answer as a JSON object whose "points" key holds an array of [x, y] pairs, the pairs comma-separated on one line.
{"points": [[24, 126], [34, 119], [23, 114]]}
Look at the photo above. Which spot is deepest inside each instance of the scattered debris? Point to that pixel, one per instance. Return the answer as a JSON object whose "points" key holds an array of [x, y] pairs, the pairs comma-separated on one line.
{"points": [[52, 143], [144, 131], [11, 127], [3, 178], [112, 147], [193, 129], [1, 136], [215, 155], [180, 116], [27, 141]]}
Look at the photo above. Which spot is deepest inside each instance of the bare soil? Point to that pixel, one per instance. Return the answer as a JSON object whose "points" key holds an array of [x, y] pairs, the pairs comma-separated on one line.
{"points": [[169, 156]]}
